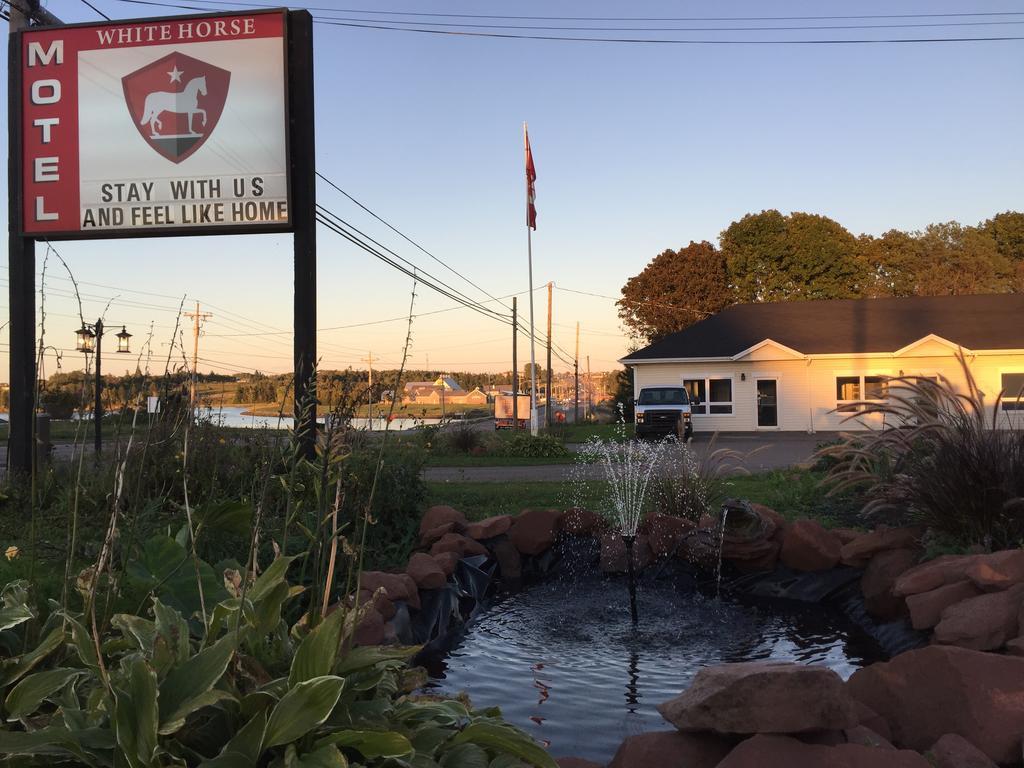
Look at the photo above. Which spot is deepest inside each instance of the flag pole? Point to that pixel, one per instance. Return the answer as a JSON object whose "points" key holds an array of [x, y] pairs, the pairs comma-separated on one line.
{"points": [[529, 259]]}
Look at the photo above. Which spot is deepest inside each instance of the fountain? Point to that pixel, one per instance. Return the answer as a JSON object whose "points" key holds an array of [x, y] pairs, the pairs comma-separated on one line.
{"points": [[628, 467]]}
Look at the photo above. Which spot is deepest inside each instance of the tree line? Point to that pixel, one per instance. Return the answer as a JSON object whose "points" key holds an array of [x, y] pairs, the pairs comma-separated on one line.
{"points": [[769, 257]]}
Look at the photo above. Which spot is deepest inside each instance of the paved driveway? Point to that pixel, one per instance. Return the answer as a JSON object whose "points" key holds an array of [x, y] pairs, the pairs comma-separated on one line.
{"points": [[763, 451]]}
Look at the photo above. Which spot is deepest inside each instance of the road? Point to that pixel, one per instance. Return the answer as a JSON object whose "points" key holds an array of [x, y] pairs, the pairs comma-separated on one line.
{"points": [[762, 452]]}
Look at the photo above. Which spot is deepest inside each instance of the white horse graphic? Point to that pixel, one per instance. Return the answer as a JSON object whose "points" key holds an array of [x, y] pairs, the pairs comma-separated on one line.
{"points": [[185, 102]]}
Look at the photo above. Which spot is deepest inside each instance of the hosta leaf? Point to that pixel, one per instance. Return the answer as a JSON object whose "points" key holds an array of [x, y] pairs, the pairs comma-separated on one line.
{"points": [[324, 757], [503, 738], [232, 517], [465, 756], [302, 709], [245, 747], [165, 568], [370, 744], [16, 668], [53, 742], [184, 689], [13, 616], [140, 630], [270, 578], [318, 650], [27, 695], [82, 642], [268, 608], [135, 712], [370, 655], [170, 625]]}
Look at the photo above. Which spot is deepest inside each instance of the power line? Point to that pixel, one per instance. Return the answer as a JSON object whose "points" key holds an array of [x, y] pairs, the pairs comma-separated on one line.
{"points": [[406, 237], [101, 13], [620, 18]]}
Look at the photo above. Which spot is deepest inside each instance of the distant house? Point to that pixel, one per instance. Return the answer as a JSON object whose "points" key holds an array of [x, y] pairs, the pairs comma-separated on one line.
{"points": [[799, 366], [443, 390]]}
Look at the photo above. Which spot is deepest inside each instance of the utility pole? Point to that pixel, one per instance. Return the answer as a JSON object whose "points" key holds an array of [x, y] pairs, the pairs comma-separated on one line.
{"points": [[197, 317], [547, 399], [515, 365], [576, 378], [369, 393], [590, 390], [21, 259]]}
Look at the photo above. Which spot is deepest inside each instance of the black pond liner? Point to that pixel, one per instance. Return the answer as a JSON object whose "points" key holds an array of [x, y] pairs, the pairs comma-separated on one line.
{"points": [[617, 672]]}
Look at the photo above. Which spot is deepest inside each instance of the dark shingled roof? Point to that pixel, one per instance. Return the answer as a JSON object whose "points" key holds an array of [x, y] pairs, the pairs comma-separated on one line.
{"points": [[850, 325]]}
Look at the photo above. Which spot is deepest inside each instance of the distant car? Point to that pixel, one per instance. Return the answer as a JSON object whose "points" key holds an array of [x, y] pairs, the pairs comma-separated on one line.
{"points": [[662, 411]]}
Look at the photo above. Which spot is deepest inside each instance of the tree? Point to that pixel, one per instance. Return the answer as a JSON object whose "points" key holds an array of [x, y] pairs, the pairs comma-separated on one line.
{"points": [[771, 257], [892, 263], [1007, 229], [675, 290], [961, 260]]}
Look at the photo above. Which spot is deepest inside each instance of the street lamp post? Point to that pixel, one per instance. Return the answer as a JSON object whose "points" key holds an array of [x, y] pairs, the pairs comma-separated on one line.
{"points": [[90, 340]]}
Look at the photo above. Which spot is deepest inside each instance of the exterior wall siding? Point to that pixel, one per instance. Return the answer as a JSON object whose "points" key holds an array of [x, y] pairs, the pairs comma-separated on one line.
{"points": [[807, 386]]}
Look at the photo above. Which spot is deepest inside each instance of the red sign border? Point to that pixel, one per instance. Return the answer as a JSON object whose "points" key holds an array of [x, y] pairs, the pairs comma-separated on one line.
{"points": [[16, 146]]}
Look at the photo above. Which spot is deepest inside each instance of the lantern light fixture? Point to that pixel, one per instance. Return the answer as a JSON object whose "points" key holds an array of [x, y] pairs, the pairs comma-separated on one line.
{"points": [[122, 341], [86, 339]]}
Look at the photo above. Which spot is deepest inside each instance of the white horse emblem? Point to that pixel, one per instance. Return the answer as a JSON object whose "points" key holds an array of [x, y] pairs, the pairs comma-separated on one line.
{"points": [[185, 102]]}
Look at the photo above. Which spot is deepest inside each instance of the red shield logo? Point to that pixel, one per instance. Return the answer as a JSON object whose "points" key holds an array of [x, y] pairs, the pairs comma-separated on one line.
{"points": [[175, 103]]}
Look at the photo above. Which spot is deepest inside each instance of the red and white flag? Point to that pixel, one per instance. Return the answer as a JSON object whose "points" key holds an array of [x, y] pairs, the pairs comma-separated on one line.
{"points": [[531, 178]]}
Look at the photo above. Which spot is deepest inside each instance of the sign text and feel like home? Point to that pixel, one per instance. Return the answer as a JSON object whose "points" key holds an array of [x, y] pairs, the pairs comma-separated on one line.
{"points": [[165, 126]]}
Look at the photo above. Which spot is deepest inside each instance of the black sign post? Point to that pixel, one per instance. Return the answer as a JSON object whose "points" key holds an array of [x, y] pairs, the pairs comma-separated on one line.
{"points": [[301, 222]]}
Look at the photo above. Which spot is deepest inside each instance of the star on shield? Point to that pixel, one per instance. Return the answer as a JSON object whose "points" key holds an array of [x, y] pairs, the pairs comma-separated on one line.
{"points": [[175, 103]]}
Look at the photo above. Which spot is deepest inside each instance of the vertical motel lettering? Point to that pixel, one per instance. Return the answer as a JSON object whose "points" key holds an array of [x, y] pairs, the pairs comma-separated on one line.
{"points": [[45, 92]]}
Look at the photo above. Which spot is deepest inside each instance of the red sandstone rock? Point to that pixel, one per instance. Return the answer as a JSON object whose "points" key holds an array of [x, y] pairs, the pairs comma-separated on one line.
{"points": [[870, 544], [982, 623], [997, 571], [784, 752], [665, 749], [754, 556], [370, 630], [510, 565], [489, 528], [1015, 647], [463, 546], [807, 546], [762, 697], [767, 513], [665, 533], [381, 602], [425, 571], [926, 607], [846, 535], [879, 578], [613, 553], [867, 717], [581, 522], [861, 734], [434, 534], [926, 693], [447, 561], [954, 751], [947, 569], [534, 530], [398, 586], [440, 515]]}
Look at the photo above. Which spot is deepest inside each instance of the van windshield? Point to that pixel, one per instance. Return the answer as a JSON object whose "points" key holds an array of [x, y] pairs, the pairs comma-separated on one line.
{"points": [[663, 396]]}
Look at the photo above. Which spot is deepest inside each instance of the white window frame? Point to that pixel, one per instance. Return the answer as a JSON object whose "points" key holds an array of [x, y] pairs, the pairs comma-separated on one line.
{"points": [[1014, 398], [707, 378], [845, 406]]}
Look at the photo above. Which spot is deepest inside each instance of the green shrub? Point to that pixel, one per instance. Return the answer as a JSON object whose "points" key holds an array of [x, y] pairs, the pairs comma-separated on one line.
{"points": [[464, 437], [525, 445]]}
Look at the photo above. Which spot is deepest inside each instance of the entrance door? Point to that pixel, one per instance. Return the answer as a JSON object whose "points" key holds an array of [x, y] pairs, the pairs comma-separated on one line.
{"points": [[767, 403]]}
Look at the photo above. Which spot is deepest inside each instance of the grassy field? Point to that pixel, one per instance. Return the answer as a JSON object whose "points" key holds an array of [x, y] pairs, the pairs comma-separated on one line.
{"points": [[793, 493]]}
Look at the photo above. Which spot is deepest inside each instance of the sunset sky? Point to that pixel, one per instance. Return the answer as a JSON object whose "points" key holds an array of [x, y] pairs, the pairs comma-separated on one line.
{"points": [[638, 148]]}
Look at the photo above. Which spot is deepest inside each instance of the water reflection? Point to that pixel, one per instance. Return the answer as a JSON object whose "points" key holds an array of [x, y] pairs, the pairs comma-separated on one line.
{"points": [[564, 662]]}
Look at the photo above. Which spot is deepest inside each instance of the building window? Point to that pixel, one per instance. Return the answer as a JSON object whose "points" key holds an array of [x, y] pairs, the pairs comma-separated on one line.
{"points": [[1013, 391], [851, 390], [718, 403]]}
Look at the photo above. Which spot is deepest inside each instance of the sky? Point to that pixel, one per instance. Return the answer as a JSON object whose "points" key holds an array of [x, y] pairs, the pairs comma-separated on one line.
{"points": [[638, 148]]}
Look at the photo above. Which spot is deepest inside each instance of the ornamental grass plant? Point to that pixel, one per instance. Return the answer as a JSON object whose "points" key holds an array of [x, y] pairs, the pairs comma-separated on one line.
{"points": [[947, 457]]}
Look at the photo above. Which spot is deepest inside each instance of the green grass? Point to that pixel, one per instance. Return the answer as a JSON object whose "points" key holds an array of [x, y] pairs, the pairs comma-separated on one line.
{"points": [[487, 460], [580, 433], [480, 500], [794, 494]]}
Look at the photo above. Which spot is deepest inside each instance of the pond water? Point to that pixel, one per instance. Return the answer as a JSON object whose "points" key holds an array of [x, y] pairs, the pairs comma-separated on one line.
{"points": [[235, 416], [564, 662]]}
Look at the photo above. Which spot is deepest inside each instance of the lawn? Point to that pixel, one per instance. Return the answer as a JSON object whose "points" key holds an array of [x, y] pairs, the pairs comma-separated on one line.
{"points": [[793, 493]]}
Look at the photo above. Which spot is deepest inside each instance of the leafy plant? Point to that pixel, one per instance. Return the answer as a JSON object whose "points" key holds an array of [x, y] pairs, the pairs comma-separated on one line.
{"points": [[943, 460], [523, 444], [694, 486], [244, 690]]}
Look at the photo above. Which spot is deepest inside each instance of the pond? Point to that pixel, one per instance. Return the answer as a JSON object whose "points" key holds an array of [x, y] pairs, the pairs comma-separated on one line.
{"points": [[564, 662], [236, 416]]}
